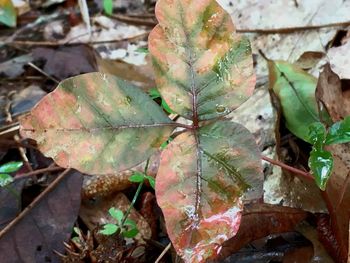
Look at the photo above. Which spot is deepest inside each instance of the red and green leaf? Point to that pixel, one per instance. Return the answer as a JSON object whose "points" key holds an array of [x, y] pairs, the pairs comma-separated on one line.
{"points": [[203, 69], [97, 124], [200, 183]]}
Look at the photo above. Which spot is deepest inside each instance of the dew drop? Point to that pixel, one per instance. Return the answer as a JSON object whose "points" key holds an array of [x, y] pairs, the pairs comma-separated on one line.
{"points": [[220, 108]]}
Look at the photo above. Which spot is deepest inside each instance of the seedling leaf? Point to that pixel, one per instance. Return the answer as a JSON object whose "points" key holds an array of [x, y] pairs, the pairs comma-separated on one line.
{"points": [[130, 233], [137, 177], [10, 167], [8, 14], [321, 164], [116, 214], [5, 179], [109, 229], [339, 132]]}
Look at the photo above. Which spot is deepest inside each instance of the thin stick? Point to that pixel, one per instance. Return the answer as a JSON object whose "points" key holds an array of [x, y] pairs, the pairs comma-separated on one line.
{"points": [[40, 171], [34, 203], [286, 30], [306, 175], [163, 253], [43, 72]]}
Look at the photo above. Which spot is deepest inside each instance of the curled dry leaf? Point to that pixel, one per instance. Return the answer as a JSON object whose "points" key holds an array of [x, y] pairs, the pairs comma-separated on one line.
{"points": [[108, 123], [202, 68]]}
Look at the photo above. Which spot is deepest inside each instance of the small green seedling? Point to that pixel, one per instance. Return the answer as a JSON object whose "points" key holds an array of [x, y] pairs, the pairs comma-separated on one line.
{"points": [[138, 177], [154, 93], [321, 161], [108, 7], [126, 226], [5, 170]]}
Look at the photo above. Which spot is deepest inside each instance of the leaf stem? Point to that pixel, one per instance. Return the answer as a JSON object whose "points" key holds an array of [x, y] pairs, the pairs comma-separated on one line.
{"points": [[135, 196], [306, 175]]}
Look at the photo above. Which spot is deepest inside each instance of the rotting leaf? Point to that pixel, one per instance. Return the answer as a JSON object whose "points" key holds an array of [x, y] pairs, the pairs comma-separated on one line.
{"points": [[296, 92], [199, 186], [203, 69]]}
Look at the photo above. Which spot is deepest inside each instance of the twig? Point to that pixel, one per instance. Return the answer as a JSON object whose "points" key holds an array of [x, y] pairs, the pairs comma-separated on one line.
{"points": [[34, 203], [287, 30], [43, 72], [289, 168], [40, 171], [69, 43], [23, 153], [163, 253], [134, 20]]}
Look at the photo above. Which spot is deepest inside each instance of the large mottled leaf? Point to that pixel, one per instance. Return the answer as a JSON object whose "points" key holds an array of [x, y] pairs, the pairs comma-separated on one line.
{"points": [[295, 90], [203, 69], [98, 124], [200, 182]]}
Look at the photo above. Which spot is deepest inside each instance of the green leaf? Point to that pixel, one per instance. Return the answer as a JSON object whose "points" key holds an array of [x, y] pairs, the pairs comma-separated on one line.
{"points": [[130, 233], [321, 164], [154, 93], [108, 6], [109, 229], [5, 179], [10, 167], [339, 132], [317, 134], [111, 123], [142, 50], [203, 68], [130, 222], [137, 177], [151, 181], [116, 214], [200, 182], [8, 15], [296, 92], [77, 230]]}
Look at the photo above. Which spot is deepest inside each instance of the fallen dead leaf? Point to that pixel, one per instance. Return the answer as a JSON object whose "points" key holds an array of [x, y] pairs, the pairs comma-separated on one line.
{"points": [[67, 61], [45, 224], [274, 219]]}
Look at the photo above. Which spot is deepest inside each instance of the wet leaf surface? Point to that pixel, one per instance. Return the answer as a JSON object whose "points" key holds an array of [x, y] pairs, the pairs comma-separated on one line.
{"points": [[44, 225], [111, 123], [202, 67], [200, 182], [260, 220]]}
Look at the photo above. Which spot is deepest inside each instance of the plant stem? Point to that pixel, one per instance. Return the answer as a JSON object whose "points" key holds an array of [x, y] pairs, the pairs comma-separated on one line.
{"points": [[135, 196], [306, 175]]}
